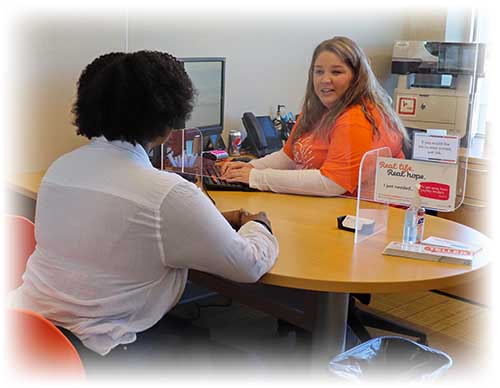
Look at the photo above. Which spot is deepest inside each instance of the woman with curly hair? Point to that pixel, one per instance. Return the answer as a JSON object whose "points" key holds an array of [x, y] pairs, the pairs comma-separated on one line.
{"points": [[345, 113], [115, 236]]}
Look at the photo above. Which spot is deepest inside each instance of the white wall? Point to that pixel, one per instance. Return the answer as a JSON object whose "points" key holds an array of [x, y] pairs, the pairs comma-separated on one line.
{"points": [[267, 59], [46, 57], [459, 24]]}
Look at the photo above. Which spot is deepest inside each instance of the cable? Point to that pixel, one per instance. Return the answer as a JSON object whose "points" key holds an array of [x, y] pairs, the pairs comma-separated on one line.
{"points": [[204, 189], [227, 304], [202, 183], [199, 306]]}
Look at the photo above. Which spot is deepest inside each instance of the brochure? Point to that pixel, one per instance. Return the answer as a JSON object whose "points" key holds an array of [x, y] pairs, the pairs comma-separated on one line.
{"points": [[443, 242], [442, 254]]}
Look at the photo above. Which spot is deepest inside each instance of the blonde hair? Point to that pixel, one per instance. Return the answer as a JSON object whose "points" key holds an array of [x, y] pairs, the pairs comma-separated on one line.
{"points": [[364, 90]]}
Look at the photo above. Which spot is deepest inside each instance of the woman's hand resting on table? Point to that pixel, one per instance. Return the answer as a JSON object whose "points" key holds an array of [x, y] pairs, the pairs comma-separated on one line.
{"points": [[236, 172]]}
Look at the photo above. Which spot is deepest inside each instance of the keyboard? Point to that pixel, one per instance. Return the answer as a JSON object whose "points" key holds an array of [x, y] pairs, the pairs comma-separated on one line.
{"points": [[212, 181]]}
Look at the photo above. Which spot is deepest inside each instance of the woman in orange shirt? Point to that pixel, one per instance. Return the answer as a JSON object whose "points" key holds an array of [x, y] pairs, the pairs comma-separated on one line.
{"points": [[346, 113]]}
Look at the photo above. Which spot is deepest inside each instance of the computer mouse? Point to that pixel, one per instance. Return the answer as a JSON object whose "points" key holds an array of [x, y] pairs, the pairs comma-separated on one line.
{"points": [[245, 159]]}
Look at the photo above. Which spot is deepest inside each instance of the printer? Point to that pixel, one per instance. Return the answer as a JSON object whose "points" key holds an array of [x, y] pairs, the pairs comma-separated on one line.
{"points": [[436, 84]]}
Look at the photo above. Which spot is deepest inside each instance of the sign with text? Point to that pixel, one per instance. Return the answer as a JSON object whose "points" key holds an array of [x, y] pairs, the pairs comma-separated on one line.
{"points": [[435, 148], [396, 179], [407, 106]]}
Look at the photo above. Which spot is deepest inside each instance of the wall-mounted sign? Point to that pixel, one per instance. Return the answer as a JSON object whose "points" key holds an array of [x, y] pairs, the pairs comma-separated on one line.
{"points": [[435, 147], [396, 179]]}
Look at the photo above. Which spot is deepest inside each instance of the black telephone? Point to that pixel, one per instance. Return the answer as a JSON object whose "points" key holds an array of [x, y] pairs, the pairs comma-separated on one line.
{"points": [[262, 137]]}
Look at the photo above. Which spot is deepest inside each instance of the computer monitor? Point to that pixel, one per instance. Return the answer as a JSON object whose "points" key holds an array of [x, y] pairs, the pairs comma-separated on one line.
{"points": [[208, 77]]}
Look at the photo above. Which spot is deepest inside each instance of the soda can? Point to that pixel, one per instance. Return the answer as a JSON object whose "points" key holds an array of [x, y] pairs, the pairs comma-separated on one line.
{"points": [[234, 142]]}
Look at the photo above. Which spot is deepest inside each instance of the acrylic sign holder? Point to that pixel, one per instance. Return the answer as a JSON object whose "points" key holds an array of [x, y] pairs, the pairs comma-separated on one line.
{"points": [[182, 154], [371, 216]]}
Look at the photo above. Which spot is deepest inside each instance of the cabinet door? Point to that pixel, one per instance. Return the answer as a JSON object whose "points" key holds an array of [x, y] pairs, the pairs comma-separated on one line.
{"points": [[474, 212], [437, 109], [477, 184], [429, 108]]}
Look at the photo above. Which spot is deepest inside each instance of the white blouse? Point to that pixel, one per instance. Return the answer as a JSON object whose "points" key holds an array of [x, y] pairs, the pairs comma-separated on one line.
{"points": [[115, 238], [277, 172]]}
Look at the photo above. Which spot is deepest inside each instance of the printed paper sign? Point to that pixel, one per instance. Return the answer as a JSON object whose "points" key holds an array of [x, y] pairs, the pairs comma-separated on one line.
{"points": [[435, 190], [396, 179], [407, 106], [435, 148]]}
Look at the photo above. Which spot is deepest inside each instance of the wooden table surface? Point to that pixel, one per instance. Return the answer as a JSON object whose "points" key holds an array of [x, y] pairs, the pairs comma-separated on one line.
{"points": [[316, 255]]}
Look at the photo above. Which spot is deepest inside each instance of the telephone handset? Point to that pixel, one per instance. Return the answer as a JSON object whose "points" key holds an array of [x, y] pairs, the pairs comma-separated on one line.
{"points": [[262, 137], [254, 130]]}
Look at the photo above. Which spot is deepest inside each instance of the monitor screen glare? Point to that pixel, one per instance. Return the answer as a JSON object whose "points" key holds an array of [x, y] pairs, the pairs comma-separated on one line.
{"points": [[208, 82]]}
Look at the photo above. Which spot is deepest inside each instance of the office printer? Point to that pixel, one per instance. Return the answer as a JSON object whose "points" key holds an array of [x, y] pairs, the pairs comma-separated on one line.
{"points": [[436, 83]]}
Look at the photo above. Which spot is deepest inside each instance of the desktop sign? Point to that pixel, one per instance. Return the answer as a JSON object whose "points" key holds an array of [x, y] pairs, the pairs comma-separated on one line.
{"points": [[435, 148], [396, 179]]}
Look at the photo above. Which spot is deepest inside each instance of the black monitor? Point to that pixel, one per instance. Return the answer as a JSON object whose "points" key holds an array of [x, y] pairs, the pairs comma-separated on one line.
{"points": [[208, 77]]}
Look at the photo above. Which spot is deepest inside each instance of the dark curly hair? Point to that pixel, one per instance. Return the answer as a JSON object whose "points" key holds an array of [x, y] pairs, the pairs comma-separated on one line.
{"points": [[134, 97]]}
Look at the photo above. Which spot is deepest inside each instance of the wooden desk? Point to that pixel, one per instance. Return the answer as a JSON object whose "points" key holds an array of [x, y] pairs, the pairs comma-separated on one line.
{"points": [[316, 256]]}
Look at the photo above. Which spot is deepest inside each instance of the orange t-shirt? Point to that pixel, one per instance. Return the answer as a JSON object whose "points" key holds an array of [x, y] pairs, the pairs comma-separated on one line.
{"points": [[338, 157]]}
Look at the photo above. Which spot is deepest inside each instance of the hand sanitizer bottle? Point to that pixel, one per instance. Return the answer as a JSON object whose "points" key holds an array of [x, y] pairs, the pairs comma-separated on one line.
{"points": [[413, 231]]}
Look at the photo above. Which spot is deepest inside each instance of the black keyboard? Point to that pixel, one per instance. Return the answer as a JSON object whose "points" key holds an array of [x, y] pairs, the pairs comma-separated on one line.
{"points": [[212, 181]]}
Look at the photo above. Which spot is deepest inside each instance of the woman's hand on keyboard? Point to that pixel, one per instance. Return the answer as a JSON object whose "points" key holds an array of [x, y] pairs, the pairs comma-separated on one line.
{"points": [[236, 172], [230, 165]]}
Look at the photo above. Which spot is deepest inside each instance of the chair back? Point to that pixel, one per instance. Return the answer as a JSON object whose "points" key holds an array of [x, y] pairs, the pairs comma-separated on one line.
{"points": [[38, 348], [20, 243]]}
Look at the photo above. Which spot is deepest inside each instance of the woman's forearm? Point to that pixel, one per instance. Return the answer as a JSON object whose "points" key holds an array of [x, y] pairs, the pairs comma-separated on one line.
{"points": [[304, 182], [277, 160]]}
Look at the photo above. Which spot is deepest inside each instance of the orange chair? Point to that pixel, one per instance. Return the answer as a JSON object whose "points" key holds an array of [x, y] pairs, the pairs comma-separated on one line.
{"points": [[20, 240], [37, 348]]}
